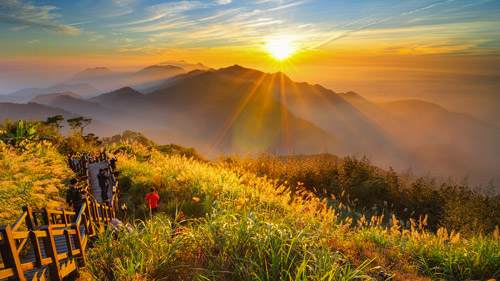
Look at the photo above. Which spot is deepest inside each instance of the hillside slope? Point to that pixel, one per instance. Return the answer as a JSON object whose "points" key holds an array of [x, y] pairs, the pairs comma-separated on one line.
{"points": [[220, 223], [38, 177]]}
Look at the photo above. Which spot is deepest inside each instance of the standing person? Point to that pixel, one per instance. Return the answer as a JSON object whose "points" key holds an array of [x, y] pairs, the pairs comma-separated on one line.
{"points": [[152, 199], [103, 178], [74, 198], [112, 163]]}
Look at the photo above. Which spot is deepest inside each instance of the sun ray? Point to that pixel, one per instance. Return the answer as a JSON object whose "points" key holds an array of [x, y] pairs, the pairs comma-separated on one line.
{"points": [[224, 129]]}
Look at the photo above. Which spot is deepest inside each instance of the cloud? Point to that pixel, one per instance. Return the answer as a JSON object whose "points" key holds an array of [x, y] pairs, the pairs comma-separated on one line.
{"points": [[24, 15], [33, 41], [162, 16], [223, 2], [336, 36], [96, 37]]}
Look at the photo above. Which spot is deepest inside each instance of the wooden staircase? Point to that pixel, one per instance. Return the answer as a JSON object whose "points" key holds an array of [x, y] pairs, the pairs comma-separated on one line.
{"points": [[49, 244]]}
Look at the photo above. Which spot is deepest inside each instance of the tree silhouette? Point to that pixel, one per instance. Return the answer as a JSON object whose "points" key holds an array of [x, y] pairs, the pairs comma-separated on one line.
{"points": [[79, 123], [55, 121]]}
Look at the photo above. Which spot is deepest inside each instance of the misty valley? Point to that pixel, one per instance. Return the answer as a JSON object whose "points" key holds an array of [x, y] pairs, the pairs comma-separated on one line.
{"points": [[242, 111]]}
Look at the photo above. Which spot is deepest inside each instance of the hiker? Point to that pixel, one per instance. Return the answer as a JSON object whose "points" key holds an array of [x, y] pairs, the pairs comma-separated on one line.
{"points": [[103, 178], [112, 163], [74, 197], [152, 199]]}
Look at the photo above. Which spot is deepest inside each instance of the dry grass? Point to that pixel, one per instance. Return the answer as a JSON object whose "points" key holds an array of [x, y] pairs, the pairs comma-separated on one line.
{"points": [[36, 176]]}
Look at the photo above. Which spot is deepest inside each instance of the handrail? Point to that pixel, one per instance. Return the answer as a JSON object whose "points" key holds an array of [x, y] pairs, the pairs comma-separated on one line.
{"points": [[76, 228]]}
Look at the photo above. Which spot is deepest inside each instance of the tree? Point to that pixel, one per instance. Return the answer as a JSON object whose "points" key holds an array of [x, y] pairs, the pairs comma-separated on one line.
{"points": [[55, 121], [79, 123]]}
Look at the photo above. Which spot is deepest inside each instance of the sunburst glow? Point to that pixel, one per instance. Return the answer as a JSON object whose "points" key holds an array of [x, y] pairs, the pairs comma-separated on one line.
{"points": [[280, 48]]}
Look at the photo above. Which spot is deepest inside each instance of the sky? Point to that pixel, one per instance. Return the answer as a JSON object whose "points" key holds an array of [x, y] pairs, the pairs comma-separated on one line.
{"points": [[344, 45]]}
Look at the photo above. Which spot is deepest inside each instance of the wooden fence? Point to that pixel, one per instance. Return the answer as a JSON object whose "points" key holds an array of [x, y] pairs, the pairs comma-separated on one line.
{"points": [[53, 240]]}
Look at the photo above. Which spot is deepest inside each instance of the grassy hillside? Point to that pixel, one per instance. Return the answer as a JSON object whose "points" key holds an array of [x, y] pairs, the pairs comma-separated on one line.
{"points": [[226, 223], [262, 219], [36, 176], [368, 190]]}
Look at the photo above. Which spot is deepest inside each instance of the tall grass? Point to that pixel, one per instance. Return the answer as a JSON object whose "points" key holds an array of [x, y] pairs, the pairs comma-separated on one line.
{"points": [[249, 228], [369, 190], [36, 176], [226, 223], [151, 252]]}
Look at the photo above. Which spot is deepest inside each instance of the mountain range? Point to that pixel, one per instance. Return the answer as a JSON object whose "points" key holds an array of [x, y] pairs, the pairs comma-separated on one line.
{"points": [[240, 110]]}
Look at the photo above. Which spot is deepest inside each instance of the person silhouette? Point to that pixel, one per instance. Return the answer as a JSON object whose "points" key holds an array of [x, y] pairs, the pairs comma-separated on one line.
{"points": [[74, 196], [152, 200], [103, 178]]}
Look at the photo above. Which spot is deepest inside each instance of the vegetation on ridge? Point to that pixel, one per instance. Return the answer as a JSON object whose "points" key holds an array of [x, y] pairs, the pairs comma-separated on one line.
{"points": [[226, 223], [250, 220], [367, 190]]}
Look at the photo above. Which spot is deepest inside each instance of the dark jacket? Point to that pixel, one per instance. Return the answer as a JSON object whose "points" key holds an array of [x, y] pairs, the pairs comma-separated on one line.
{"points": [[74, 197], [103, 180], [112, 163]]}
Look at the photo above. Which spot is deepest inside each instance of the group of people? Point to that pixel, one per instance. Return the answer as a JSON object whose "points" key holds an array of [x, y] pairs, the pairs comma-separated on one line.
{"points": [[75, 195]]}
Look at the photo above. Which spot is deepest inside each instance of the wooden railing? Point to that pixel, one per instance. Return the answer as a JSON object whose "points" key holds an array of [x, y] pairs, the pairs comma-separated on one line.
{"points": [[64, 236], [79, 162]]}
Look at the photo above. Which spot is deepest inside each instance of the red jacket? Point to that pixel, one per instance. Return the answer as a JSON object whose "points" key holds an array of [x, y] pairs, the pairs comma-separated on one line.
{"points": [[152, 199]]}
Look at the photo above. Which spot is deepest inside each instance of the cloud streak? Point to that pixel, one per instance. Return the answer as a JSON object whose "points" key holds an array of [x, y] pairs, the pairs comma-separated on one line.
{"points": [[25, 15], [337, 36]]}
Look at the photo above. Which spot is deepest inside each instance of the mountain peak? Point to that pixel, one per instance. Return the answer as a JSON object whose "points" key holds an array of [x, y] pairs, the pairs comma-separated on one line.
{"points": [[45, 98], [123, 97], [125, 91], [161, 70], [351, 95], [98, 68], [238, 70], [120, 94], [96, 71]]}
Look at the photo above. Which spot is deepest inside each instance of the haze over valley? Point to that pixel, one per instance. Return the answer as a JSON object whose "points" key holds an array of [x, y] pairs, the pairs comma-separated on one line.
{"points": [[238, 110]]}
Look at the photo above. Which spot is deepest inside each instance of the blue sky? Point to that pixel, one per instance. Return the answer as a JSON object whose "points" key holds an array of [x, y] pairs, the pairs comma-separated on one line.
{"points": [[130, 26], [382, 48]]}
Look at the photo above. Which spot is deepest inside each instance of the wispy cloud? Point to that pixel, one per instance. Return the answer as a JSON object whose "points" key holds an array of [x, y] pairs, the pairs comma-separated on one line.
{"points": [[25, 15], [155, 13], [96, 37], [337, 36], [82, 22], [33, 41], [220, 14]]}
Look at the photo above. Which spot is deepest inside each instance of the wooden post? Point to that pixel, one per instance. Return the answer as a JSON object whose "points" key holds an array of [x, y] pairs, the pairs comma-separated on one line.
{"points": [[51, 251], [65, 219], [30, 222], [89, 217], [78, 244], [36, 248], [45, 215], [68, 243], [9, 253]]}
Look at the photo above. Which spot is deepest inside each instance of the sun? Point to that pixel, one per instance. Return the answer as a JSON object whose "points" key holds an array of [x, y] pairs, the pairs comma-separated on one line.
{"points": [[280, 48]]}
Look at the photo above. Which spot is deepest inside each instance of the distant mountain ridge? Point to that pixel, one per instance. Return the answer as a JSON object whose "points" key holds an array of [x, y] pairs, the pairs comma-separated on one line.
{"points": [[120, 98], [91, 72], [240, 110], [108, 80], [81, 89], [48, 97]]}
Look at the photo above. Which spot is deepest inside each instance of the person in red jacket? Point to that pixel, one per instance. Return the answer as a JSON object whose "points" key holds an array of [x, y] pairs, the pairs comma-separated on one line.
{"points": [[152, 199]]}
